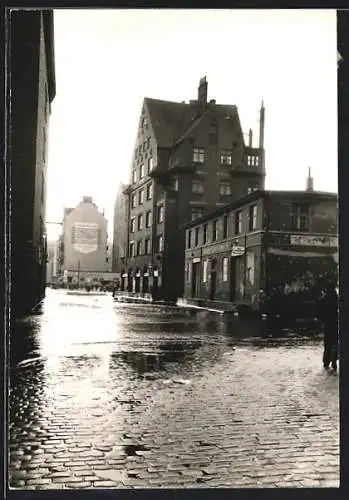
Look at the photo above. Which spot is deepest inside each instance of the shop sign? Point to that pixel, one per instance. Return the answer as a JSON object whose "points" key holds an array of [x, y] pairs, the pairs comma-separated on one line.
{"points": [[237, 251], [313, 241], [196, 260]]}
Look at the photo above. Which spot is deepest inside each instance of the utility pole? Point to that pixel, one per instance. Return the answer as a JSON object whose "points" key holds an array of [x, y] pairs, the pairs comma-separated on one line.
{"points": [[245, 265], [78, 273]]}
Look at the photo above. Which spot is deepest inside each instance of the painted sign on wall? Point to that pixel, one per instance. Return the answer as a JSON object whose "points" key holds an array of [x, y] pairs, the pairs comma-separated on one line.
{"points": [[85, 237], [314, 241]]}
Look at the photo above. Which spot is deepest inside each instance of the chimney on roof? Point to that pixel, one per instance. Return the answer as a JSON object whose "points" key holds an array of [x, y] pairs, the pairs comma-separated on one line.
{"points": [[250, 138], [310, 181], [261, 126], [202, 95], [87, 199]]}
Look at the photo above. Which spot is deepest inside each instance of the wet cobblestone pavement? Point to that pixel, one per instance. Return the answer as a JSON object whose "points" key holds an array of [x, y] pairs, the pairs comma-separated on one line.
{"points": [[107, 395]]}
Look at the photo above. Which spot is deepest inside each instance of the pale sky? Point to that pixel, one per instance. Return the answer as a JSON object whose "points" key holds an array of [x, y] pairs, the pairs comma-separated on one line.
{"points": [[107, 61]]}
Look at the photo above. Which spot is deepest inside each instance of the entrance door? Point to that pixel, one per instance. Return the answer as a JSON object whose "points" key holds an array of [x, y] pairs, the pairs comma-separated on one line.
{"points": [[195, 280], [213, 285], [232, 283], [145, 284]]}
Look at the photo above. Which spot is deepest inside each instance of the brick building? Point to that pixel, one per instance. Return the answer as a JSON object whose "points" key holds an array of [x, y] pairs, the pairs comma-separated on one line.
{"points": [[189, 159], [32, 82], [271, 251], [84, 241], [119, 251]]}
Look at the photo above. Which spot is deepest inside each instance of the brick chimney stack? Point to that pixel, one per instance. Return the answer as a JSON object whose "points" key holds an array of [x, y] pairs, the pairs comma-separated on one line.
{"points": [[310, 181], [202, 95]]}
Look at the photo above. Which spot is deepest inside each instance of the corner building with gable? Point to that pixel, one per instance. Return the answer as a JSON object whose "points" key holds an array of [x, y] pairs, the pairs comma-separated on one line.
{"points": [[189, 159]]}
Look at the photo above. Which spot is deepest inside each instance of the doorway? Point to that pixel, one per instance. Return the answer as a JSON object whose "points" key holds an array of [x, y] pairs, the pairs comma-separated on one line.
{"points": [[232, 281], [195, 280]]}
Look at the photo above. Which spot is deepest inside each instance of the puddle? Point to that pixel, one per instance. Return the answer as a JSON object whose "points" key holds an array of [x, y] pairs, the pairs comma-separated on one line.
{"points": [[132, 450]]}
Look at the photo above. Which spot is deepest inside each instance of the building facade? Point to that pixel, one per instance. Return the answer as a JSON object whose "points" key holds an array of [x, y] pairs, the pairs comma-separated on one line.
{"points": [[189, 159], [84, 243], [119, 252], [272, 251], [32, 83]]}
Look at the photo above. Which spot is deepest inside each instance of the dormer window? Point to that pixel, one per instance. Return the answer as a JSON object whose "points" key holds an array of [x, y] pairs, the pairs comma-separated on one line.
{"points": [[198, 155], [225, 157]]}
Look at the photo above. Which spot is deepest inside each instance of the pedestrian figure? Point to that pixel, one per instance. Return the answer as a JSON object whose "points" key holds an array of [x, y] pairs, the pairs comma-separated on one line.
{"points": [[328, 315]]}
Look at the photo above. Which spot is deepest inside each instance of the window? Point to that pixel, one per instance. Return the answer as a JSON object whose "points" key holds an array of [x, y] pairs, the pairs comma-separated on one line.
{"points": [[148, 219], [140, 222], [225, 157], [148, 142], [251, 188], [205, 234], [188, 272], [250, 264], [160, 214], [300, 216], [198, 186], [136, 153], [196, 213], [174, 184], [133, 225], [134, 176], [150, 164], [144, 122], [189, 239], [213, 133], [225, 269], [204, 271], [225, 226], [133, 201], [159, 243], [252, 161], [144, 146], [225, 188], [198, 155], [139, 247], [141, 171], [140, 196], [196, 236], [238, 222], [253, 218], [149, 191], [215, 230], [147, 246], [132, 249]]}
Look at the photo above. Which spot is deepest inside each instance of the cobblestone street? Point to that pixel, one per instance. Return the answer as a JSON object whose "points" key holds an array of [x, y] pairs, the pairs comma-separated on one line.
{"points": [[137, 396]]}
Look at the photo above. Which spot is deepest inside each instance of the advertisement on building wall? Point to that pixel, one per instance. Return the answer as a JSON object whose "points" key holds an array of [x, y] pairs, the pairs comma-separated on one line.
{"points": [[85, 237]]}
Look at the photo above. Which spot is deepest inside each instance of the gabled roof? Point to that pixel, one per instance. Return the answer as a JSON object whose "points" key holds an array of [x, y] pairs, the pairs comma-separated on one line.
{"points": [[173, 122]]}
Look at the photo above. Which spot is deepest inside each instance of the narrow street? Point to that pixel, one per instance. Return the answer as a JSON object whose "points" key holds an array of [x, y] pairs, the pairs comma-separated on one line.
{"points": [[124, 395]]}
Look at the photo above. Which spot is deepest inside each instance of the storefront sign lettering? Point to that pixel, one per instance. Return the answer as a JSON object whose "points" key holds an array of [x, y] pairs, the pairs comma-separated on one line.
{"points": [[314, 241]]}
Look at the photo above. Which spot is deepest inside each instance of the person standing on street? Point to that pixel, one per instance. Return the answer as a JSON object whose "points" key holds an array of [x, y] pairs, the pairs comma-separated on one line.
{"points": [[328, 315]]}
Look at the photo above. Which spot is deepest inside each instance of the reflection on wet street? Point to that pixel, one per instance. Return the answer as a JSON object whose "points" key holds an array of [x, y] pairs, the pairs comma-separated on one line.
{"points": [[105, 394]]}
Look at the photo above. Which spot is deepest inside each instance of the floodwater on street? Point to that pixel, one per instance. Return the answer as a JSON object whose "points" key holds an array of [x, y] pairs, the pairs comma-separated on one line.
{"points": [[104, 394]]}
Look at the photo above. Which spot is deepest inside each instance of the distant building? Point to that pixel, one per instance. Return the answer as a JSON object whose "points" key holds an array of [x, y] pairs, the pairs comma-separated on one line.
{"points": [[51, 266], [85, 241], [119, 252], [32, 82], [272, 251], [189, 159]]}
